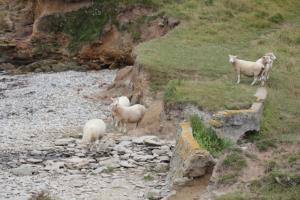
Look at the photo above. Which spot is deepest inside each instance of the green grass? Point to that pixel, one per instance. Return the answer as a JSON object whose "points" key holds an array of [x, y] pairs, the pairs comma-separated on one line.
{"points": [[233, 96], [207, 138], [197, 51]]}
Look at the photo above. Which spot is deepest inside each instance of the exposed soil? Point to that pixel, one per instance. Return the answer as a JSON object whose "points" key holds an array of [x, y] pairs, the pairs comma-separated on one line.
{"points": [[193, 189]]}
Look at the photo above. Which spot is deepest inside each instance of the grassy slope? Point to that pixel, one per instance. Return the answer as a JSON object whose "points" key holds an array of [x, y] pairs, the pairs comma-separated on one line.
{"points": [[197, 53]]}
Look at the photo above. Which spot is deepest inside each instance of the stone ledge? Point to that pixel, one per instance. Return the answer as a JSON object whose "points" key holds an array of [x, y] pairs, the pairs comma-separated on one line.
{"points": [[235, 123], [189, 160]]}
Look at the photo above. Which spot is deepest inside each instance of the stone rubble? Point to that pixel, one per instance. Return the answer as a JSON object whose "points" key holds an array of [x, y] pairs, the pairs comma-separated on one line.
{"points": [[40, 149]]}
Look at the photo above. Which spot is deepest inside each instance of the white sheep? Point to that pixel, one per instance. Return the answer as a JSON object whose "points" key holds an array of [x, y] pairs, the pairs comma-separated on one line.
{"points": [[268, 66], [123, 101], [130, 114], [93, 130], [247, 68]]}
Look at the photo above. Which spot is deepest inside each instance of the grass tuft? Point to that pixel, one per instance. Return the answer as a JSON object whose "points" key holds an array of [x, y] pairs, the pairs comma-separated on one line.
{"points": [[207, 138]]}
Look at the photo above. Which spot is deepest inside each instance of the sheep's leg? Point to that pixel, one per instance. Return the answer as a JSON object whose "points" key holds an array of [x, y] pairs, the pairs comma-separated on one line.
{"points": [[238, 78], [120, 126], [137, 124], [125, 127], [254, 81], [117, 123]]}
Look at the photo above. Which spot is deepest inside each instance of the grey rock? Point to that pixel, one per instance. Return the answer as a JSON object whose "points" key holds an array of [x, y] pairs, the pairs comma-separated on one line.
{"points": [[125, 143], [24, 170], [161, 167], [143, 158], [125, 157], [46, 148], [34, 160], [140, 140], [81, 155], [163, 158], [158, 151], [64, 141], [98, 170], [126, 164], [76, 163], [153, 141], [125, 138], [36, 153], [112, 163], [121, 149], [54, 166]]}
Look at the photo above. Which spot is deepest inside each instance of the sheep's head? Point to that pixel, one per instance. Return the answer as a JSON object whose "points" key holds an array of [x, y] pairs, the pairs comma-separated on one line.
{"points": [[266, 59], [271, 55], [232, 59], [115, 101]]}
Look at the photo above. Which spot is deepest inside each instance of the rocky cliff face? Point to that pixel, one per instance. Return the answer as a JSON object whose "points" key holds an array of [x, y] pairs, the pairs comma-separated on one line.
{"points": [[98, 34]]}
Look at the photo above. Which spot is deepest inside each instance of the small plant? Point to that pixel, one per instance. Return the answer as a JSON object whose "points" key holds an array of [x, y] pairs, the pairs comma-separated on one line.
{"points": [[292, 159], [209, 2], [270, 166], [277, 18], [234, 161], [170, 92], [264, 145], [231, 167], [108, 169], [148, 177], [208, 138], [41, 196], [228, 178]]}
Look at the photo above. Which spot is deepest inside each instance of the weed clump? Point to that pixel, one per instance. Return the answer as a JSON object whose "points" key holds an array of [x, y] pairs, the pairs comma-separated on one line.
{"points": [[41, 196], [207, 138], [277, 18]]}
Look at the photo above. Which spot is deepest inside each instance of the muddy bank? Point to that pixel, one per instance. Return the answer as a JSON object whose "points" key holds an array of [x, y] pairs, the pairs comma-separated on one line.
{"points": [[97, 34]]}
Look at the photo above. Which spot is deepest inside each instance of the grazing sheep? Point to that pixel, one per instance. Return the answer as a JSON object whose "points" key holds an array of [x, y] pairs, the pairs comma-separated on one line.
{"points": [[131, 114], [123, 101], [247, 68], [93, 130], [268, 65]]}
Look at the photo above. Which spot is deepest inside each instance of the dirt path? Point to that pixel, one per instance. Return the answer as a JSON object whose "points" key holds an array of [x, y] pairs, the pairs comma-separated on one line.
{"points": [[40, 120]]}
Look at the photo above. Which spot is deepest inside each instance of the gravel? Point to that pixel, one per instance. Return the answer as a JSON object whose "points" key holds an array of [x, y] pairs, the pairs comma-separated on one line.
{"points": [[38, 107], [40, 115]]}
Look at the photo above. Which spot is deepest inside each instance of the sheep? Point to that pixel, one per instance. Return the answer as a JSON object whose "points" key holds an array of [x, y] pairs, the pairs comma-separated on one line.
{"points": [[93, 130], [268, 65], [130, 114], [247, 68], [124, 101]]}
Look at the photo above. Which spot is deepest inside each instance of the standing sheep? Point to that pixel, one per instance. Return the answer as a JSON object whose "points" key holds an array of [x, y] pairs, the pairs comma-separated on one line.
{"points": [[247, 68], [131, 114], [123, 101], [93, 130], [268, 65]]}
